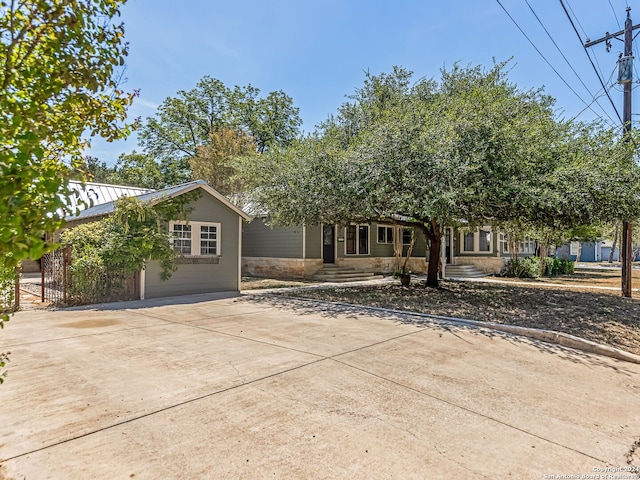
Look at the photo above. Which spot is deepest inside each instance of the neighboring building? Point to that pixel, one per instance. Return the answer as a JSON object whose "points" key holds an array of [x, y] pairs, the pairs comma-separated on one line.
{"points": [[209, 242], [606, 247], [301, 252], [589, 251]]}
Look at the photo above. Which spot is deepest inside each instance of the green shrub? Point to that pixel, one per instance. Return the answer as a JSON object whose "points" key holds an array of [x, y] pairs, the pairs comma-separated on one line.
{"points": [[532, 267], [523, 268]]}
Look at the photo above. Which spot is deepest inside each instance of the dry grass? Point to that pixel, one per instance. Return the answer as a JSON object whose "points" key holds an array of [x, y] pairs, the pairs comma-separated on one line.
{"points": [[600, 316]]}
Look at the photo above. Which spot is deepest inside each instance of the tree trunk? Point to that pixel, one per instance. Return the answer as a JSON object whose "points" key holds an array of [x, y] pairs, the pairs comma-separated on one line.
{"points": [[435, 245], [579, 252], [615, 243]]}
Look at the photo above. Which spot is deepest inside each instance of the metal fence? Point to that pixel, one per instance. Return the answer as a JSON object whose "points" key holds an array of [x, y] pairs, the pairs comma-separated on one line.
{"points": [[55, 275]]}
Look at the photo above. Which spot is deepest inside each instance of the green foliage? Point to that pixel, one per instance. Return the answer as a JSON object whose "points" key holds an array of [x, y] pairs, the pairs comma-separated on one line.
{"points": [[8, 275], [108, 252], [217, 162], [58, 65], [469, 147], [188, 128], [137, 170], [427, 154], [529, 267], [534, 267], [185, 123]]}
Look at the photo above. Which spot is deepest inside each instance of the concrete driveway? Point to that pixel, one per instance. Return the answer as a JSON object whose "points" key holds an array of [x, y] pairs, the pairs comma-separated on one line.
{"points": [[258, 387]]}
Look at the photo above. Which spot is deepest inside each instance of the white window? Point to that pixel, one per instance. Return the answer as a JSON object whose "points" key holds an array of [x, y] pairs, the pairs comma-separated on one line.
{"points": [[357, 240], [504, 241], [479, 241], [573, 248], [182, 238], [196, 238]]}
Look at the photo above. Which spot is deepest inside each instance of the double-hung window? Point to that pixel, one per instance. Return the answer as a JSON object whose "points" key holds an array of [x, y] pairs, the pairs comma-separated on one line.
{"points": [[196, 238], [357, 240], [478, 241], [385, 234]]}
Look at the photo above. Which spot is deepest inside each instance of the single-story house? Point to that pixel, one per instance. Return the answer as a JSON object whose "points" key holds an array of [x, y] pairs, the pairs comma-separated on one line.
{"points": [[303, 251], [209, 241]]}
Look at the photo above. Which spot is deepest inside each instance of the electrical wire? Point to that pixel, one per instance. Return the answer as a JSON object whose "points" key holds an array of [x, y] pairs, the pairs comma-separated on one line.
{"points": [[585, 35], [615, 14], [547, 61], [590, 60], [565, 58]]}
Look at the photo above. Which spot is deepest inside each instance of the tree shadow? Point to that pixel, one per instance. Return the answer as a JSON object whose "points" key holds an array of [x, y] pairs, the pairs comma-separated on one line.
{"points": [[303, 306]]}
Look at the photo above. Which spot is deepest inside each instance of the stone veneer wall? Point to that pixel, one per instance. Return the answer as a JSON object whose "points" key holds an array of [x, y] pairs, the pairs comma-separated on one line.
{"points": [[382, 264], [280, 267], [486, 264]]}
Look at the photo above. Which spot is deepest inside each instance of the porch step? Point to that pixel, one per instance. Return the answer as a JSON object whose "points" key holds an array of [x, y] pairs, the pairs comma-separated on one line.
{"points": [[335, 273], [463, 271]]}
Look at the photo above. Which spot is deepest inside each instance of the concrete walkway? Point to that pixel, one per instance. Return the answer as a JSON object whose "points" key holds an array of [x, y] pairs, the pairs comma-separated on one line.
{"points": [[261, 387]]}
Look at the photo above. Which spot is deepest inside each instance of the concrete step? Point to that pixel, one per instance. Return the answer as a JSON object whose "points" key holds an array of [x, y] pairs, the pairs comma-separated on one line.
{"points": [[463, 271], [335, 273]]}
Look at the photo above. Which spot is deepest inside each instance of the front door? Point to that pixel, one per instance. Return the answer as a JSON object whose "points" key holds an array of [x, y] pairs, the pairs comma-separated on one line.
{"points": [[328, 243], [447, 245]]}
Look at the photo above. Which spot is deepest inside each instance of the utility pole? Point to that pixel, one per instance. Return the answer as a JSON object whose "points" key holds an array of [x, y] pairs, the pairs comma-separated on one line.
{"points": [[625, 77]]}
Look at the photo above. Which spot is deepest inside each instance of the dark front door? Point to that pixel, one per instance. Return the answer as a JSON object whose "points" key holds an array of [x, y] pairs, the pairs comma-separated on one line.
{"points": [[328, 243], [447, 245]]}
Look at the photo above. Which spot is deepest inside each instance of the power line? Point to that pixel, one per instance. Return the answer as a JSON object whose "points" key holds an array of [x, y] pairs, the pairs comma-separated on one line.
{"points": [[591, 61], [547, 61], [565, 58], [586, 36], [615, 15], [578, 21]]}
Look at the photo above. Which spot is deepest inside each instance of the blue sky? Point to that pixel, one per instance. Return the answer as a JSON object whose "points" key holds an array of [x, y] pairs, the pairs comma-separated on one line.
{"points": [[317, 50]]}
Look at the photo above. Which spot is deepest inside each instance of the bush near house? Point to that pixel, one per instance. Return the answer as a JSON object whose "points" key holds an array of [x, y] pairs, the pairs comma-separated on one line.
{"points": [[533, 267], [107, 254]]}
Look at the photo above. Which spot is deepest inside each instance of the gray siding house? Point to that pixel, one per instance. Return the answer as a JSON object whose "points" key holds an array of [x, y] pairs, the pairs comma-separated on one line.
{"points": [[209, 243], [301, 252]]}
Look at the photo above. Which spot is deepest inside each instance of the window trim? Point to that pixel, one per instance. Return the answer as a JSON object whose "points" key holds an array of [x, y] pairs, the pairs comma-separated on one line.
{"points": [[476, 241], [386, 236], [573, 248], [357, 225], [196, 237]]}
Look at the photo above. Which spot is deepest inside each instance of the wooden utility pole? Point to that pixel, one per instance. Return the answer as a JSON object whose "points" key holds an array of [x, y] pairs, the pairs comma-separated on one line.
{"points": [[625, 77]]}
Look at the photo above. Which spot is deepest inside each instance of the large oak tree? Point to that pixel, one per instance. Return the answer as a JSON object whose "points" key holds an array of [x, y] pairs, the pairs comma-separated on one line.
{"points": [[467, 149]]}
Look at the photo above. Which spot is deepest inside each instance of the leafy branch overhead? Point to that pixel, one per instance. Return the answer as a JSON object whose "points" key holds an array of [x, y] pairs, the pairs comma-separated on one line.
{"points": [[58, 79]]}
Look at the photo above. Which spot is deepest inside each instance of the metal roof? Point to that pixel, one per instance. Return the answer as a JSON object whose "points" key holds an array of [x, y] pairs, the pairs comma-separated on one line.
{"points": [[155, 196], [90, 193]]}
